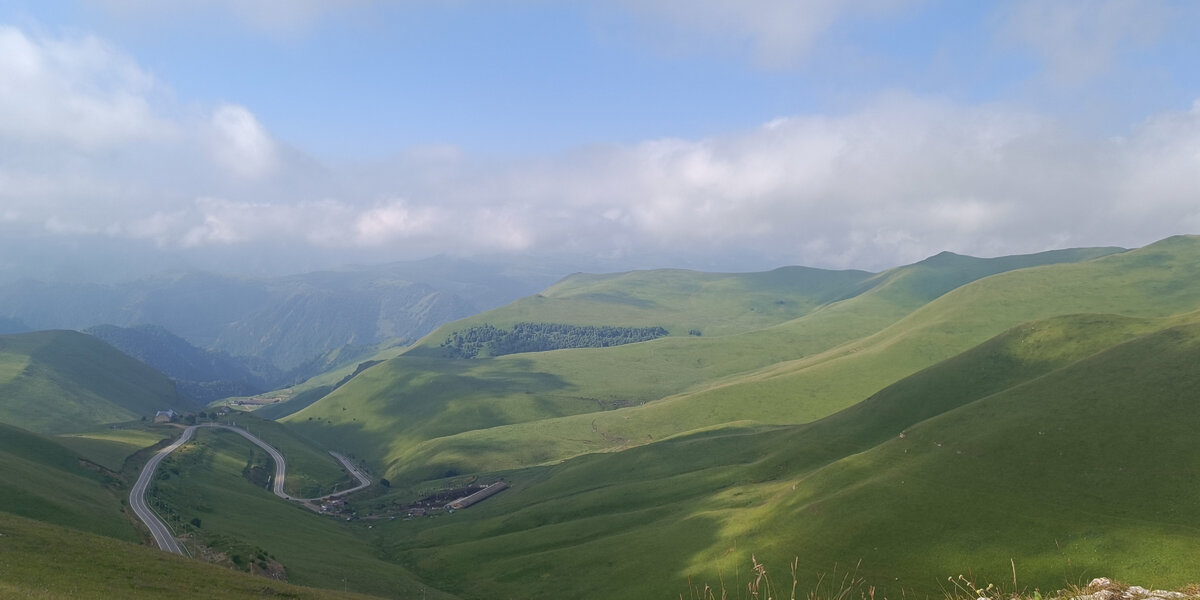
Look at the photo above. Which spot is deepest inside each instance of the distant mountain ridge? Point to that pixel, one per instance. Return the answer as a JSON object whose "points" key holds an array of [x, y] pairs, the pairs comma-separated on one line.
{"points": [[287, 321], [202, 375]]}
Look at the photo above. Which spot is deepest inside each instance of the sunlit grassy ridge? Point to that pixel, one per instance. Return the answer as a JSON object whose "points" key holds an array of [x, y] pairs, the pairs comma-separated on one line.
{"points": [[1065, 445], [65, 381], [422, 416], [110, 448]]}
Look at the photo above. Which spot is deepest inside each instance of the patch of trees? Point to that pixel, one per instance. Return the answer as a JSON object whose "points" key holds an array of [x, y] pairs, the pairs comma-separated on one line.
{"points": [[489, 340]]}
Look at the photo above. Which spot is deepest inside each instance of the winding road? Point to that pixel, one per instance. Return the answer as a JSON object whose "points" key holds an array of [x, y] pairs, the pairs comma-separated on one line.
{"points": [[163, 535]]}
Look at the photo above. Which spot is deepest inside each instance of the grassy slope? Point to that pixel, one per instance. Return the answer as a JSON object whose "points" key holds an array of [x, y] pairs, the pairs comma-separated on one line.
{"points": [[205, 481], [1157, 280], [1041, 445], [43, 480], [431, 416], [64, 381], [44, 561], [110, 448], [301, 395]]}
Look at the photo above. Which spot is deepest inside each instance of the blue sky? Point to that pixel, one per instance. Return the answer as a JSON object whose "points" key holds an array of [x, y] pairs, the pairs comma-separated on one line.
{"points": [[273, 135]]}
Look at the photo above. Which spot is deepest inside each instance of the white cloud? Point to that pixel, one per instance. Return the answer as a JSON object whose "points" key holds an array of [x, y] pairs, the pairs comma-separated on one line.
{"points": [[77, 90], [241, 144], [892, 183], [394, 221], [901, 179]]}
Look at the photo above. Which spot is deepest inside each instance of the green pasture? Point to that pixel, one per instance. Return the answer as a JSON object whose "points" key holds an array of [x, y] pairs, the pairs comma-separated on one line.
{"points": [[420, 416], [1071, 459]]}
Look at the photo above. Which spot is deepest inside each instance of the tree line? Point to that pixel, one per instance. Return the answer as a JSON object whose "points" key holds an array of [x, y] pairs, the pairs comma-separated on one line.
{"points": [[489, 340]]}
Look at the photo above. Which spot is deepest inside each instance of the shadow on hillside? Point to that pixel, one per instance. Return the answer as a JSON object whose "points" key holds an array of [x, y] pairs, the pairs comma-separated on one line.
{"points": [[560, 549]]}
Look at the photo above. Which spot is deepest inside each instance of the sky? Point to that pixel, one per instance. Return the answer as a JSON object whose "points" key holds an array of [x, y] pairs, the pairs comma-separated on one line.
{"points": [[272, 136]]}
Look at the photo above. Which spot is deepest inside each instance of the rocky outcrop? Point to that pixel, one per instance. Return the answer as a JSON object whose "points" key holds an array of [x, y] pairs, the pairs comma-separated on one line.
{"points": [[1103, 588]]}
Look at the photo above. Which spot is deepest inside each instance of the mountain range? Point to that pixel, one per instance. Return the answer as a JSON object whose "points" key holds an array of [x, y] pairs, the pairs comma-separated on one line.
{"points": [[1024, 419], [284, 321]]}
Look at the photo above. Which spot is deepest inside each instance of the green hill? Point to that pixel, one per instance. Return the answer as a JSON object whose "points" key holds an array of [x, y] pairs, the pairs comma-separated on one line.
{"points": [[1064, 445], [793, 433], [421, 416], [43, 480], [65, 381]]}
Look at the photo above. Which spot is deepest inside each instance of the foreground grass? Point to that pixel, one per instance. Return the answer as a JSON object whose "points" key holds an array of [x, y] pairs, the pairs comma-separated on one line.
{"points": [[43, 561], [758, 583]]}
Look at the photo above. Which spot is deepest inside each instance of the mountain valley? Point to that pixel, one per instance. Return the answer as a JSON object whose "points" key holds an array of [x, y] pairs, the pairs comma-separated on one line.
{"points": [[1026, 413]]}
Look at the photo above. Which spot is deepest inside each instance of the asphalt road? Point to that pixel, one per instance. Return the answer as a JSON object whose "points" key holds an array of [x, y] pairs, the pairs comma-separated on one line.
{"points": [[163, 536], [137, 497], [363, 480]]}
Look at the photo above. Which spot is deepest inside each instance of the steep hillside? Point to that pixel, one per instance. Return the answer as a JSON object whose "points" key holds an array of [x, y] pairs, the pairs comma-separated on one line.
{"points": [[202, 375], [422, 415], [42, 480], [1064, 445], [1161, 279], [64, 381]]}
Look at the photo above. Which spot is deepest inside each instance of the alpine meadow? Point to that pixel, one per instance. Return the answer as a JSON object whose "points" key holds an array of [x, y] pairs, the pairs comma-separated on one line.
{"points": [[710, 300]]}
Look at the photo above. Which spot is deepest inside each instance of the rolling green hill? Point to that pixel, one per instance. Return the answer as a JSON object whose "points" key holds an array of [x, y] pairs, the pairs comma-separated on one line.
{"points": [[870, 424], [65, 381], [422, 416], [944, 417], [1064, 445]]}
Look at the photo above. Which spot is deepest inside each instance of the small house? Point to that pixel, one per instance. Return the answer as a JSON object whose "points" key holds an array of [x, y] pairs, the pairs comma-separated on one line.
{"points": [[165, 416]]}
